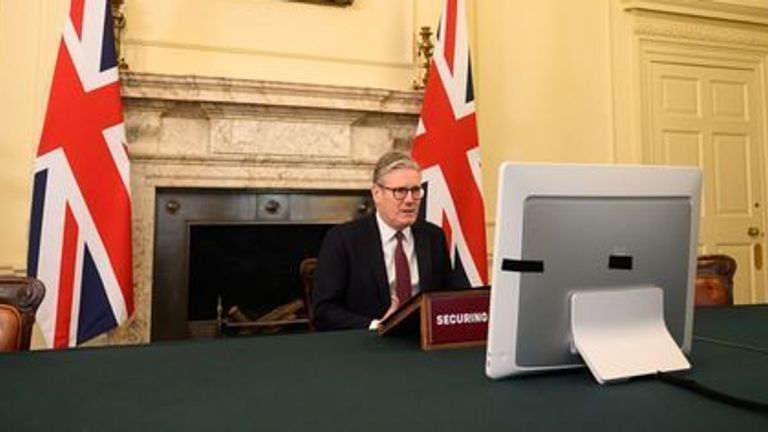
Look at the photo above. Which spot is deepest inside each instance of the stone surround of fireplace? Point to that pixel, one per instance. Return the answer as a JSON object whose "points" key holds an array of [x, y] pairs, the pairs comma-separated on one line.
{"points": [[202, 132]]}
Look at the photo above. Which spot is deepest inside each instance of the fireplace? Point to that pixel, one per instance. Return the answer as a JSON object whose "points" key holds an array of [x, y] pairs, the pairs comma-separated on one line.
{"points": [[239, 162], [224, 258]]}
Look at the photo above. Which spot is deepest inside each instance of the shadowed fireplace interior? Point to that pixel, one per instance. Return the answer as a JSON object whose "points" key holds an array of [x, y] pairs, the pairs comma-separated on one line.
{"points": [[227, 260], [249, 273]]}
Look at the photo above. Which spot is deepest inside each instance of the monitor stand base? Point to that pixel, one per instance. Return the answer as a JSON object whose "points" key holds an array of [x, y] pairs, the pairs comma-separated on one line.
{"points": [[620, 333]]}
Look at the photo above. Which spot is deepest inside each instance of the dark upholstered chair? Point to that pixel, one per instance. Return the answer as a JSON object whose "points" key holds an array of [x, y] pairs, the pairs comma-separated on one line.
{"points": [[23, 296], [714, 280], [307, 271]]}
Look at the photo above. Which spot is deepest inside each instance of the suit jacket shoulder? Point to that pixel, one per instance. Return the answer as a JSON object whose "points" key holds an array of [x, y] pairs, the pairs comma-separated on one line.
{"points": [[351, 281]]}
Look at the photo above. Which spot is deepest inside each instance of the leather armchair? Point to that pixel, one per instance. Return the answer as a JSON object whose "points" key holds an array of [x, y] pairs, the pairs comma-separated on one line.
{"points": [[19, 297], [10, 328], [714, 280]]}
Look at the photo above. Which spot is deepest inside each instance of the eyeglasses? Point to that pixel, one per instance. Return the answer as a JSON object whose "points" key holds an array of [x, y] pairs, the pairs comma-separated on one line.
{"points": [[400, 192]]}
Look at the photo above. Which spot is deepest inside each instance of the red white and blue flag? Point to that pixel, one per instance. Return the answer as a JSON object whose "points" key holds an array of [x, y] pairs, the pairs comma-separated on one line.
{"points": [[446, 147], [80, 229]]}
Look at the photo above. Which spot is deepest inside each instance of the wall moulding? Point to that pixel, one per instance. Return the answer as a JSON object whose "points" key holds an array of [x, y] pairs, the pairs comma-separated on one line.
{"points": [[9, 269], [700, 30], [745, 11]]}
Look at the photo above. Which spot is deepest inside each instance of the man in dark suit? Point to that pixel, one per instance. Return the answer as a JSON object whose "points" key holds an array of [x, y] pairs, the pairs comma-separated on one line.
{"points": [[368, 267]]}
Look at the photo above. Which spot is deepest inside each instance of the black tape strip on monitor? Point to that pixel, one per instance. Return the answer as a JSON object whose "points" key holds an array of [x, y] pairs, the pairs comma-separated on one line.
{"points": [[522, 266], [620, 262]]}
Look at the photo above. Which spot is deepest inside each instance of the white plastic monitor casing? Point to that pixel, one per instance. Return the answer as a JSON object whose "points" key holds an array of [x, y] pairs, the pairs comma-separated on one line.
{"points": [[520, 181]]}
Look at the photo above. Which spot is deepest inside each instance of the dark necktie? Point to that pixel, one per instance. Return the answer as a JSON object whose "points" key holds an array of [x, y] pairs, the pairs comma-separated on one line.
{"points": [[402, 271]]}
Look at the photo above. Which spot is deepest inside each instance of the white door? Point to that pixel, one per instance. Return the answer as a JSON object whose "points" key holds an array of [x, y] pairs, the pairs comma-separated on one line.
{"points": [[713, 117]]}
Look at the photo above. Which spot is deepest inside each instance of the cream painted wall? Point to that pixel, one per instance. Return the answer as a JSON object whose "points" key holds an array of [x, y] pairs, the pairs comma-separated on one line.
{"points": [[29, 35], [542, 70], [538, 98], [545, 89], [368, 44]]}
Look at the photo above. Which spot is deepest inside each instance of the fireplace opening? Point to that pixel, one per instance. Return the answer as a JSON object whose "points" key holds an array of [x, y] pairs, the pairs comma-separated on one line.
{"points": [[244, 279], [226, 261]]}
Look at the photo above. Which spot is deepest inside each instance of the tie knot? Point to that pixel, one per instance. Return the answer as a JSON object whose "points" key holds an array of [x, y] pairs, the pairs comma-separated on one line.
{"points": [[399, 236]]}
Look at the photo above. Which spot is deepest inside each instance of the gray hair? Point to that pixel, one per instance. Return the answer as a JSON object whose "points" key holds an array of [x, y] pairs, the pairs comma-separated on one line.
{"points": [[391, 161]]}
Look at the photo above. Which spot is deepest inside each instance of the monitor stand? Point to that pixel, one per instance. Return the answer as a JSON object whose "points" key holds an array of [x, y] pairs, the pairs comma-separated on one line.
{"points": [[620, 333]]}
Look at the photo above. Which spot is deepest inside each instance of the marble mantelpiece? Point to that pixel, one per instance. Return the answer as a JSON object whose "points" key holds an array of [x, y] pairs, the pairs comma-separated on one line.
{"points": [[189, 131]]}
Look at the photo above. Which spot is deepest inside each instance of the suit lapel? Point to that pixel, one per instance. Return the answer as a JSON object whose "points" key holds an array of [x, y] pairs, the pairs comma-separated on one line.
{"points": [[376, 255], [421, 244]]}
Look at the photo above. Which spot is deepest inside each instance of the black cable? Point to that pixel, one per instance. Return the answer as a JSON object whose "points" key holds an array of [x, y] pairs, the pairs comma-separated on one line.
{"points": [[712, 394]]}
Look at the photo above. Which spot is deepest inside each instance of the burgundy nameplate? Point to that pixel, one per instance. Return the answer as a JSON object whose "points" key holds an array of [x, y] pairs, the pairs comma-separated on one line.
{"points": [[447, 319], [454, 318]]}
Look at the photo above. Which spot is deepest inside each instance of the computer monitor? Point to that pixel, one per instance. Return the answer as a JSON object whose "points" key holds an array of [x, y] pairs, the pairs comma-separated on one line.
{"points": [[592, 263]]}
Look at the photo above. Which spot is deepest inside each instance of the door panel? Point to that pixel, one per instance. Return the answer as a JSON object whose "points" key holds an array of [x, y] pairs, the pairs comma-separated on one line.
{"points": [[732, 176], [711, 117]]}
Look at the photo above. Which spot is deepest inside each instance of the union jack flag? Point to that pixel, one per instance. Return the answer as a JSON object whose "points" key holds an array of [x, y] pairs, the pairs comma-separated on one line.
{"points": [[446, 147], [80, 229]]}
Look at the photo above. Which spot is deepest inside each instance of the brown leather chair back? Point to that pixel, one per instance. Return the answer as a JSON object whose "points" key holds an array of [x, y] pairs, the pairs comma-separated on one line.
{"points": [[307, 271], [10, 328], [24, 294], [714, 280]]}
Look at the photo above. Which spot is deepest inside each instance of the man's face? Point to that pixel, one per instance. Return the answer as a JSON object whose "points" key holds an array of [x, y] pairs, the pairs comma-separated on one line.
{"points": [[397, 213]]}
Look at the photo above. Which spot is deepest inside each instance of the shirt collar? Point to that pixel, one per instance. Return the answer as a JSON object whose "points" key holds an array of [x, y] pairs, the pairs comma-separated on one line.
{"points": [[388, 233]]}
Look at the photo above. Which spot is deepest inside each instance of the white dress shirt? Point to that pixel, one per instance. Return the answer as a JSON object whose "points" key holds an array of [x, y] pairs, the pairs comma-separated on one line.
{"points": [[388, 244]]}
